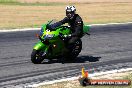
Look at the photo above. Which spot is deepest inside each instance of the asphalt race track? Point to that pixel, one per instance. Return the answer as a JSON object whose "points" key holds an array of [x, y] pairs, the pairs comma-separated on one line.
{"points": [[109, 47]]}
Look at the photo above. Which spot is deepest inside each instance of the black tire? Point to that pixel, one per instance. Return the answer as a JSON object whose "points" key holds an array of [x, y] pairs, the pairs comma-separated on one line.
{"points": [[35, 57]]}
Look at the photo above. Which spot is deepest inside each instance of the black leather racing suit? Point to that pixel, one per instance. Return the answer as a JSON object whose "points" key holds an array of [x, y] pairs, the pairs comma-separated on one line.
{"points": [[76, 26]]}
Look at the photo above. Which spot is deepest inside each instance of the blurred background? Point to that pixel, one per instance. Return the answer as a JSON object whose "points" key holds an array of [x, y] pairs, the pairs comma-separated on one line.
{"points": [[34, 13]]}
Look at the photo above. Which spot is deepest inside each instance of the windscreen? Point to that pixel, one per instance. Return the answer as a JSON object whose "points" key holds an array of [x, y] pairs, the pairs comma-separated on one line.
{"points": [[52, 21], [54, 24]]}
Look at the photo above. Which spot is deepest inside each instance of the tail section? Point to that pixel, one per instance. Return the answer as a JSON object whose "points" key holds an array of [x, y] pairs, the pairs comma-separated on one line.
{"points": [[86, 29]]}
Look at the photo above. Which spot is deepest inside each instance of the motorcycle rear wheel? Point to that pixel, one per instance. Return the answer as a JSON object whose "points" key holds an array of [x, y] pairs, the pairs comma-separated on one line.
{"points": [[35, 57]]}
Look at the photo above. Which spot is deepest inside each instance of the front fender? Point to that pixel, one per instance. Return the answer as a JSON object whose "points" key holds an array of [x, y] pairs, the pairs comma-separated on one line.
{"points": [[39, 46]]}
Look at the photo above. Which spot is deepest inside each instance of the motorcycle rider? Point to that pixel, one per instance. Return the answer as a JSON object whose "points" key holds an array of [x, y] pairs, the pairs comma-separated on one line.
{"points": [[76, 25]]}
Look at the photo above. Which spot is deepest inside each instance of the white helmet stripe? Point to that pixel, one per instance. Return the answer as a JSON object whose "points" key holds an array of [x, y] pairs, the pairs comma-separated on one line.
{"points": [[72, 8]]}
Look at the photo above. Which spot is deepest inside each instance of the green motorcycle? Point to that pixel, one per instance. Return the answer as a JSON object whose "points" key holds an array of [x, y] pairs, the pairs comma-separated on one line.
{"points": [[51, 43]]}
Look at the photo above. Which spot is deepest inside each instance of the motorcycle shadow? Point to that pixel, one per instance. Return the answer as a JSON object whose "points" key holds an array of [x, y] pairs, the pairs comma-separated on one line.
{"points": [[83, 59], [79, 59]]}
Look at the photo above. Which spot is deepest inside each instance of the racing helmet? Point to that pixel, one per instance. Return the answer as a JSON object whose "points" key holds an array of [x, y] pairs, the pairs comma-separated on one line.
{"points": [[70, 11]]}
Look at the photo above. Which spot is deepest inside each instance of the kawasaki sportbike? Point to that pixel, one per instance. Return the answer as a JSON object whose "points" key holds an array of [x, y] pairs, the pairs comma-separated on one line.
{"points": [[51, 43]]}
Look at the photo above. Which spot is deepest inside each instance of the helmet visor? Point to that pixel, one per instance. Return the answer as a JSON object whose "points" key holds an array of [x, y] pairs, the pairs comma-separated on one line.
{"points": [[70, 14]]}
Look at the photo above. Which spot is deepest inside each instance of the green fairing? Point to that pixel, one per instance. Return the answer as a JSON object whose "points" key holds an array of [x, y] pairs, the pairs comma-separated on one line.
{"points": [[55, 40], [39, 46]]}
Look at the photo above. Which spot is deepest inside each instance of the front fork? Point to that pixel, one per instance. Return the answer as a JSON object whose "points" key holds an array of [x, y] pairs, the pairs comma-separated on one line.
{"points": [[44, 53], [48, 51]]}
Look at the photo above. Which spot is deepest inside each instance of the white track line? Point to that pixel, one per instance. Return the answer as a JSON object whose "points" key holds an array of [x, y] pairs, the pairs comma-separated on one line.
{"points": [[111, 24], [15, 30], [27, 29], [75, 78]]}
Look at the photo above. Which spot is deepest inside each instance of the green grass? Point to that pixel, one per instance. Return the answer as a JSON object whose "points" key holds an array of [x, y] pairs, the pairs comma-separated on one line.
{"points": [[20, 14], [7, 1], [14, 2]]}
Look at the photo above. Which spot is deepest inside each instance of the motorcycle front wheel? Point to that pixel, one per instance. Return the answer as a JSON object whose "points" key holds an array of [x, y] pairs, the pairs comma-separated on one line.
{"points": [[36, 57]]}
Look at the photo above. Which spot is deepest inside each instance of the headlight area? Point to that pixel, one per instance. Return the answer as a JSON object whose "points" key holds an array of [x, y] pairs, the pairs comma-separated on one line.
{"points": [[49, 36], [46, 39]]}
